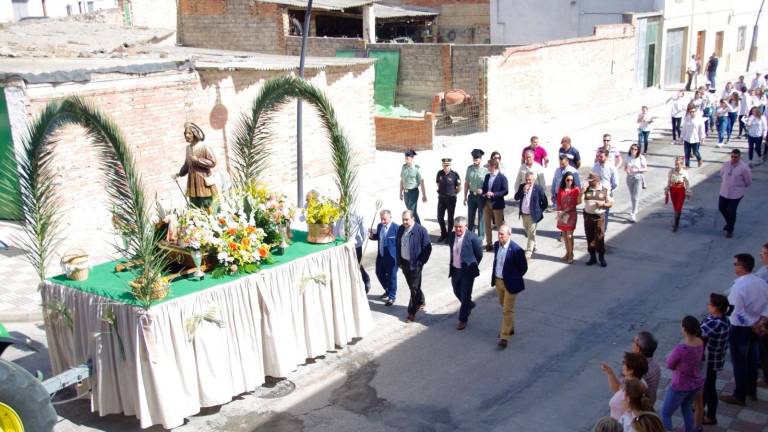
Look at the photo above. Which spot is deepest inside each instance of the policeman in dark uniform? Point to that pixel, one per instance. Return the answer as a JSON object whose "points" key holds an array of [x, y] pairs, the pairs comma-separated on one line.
{"points": [[448, 185]]}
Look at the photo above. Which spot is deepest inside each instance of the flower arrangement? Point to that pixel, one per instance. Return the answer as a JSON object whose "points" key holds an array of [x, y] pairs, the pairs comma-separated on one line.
{"points": [[321, 210], [240, 245], [274, 205], [195, 230]]}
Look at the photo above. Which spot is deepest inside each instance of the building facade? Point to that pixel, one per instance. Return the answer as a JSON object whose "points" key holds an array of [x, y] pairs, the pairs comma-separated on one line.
{"points": [[16, 10]]}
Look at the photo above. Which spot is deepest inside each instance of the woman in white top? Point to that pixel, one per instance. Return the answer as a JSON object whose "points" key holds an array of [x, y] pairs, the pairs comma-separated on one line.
{"points": [[637, 402], [677, 108], [733, 112], [728, 90], [721, 120], [643, 128], [635, 168], [756, 128], [698, 100], [693, 134]]}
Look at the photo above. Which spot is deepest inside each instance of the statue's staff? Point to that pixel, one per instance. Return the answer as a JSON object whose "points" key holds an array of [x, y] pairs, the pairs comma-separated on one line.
{"points": [[378, 207], [176, 180]]}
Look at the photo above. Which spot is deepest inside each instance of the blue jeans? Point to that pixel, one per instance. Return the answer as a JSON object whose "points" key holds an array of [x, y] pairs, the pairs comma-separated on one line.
{"points": [[691, 148], [642, 137], [475, 207], [678, 399], [722, 127], [411, 198], [755, 146], [731, 121]]}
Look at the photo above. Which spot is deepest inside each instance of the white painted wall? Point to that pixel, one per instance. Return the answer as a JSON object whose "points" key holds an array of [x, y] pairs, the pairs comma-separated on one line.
{"points": [[6, 11], [154, 13], [54, 8], [532, 21]]}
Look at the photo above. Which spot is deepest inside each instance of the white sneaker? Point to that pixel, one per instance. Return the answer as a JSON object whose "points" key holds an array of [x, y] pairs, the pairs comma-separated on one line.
{"points": [[632, 217], [720, 145]]}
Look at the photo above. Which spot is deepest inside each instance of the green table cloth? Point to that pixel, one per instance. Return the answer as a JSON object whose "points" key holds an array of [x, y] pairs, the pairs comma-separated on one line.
{"points": [[104, 281]]}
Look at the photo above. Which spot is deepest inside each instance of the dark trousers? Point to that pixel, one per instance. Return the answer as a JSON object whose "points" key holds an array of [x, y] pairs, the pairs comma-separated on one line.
{"points": [[411, 198], [462, 282], [763, 348], [676, 130], [413, 279], [475, 205], [743, 346], [691, 148], [728, 207], [710, 393], [445, 203], [732, 117], [711, 78], [690, 80], [386, 272], [755, 146], [742, 127], [366, 278], [594, 228]]}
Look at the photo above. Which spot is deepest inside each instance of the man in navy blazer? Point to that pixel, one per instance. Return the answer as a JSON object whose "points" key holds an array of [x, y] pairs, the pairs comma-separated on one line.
{"points": [[533, 202], [386, 258], [495, 188], [509, 266], [413, 251], [466, 252]]}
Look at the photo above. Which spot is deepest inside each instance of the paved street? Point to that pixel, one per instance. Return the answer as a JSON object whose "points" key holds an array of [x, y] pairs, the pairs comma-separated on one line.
{"points": [[427, 376]]}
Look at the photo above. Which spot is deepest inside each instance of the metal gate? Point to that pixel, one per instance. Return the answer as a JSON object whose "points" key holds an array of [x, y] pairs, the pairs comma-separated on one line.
{"points": [[673, 66]]}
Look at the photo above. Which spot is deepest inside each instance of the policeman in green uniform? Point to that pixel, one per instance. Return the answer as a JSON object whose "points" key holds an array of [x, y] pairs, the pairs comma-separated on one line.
{"points": [[448, 186], [473, 192], [410, 182]]}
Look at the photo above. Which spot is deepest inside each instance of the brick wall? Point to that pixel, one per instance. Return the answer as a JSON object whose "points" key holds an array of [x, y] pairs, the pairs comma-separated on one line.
{"points": [[401, 134], [321, 46], [534, 78], [245, 25], [466, 65], [468, 20], [151, 112]]}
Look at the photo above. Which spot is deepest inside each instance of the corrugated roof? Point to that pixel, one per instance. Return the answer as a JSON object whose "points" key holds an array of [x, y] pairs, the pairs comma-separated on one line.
{"points": [[385, 11], [330, 5]]}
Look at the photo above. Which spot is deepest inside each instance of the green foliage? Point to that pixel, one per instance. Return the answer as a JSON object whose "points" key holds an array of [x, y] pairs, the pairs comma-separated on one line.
{"points": [[249, 147], [40, 201]]}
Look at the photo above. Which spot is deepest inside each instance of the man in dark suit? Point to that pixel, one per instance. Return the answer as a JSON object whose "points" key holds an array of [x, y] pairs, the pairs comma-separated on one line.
{"points": [[495, 188], [386, 262], [509, 266], [413, 250], [466, 253], [533, 202]]}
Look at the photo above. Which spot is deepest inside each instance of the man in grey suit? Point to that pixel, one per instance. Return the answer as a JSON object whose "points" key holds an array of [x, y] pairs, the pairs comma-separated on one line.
{"points": [[466, 253]]}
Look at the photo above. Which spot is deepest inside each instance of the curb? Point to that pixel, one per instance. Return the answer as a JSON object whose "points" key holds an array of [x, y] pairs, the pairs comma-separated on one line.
{"points": [[17, 317]]}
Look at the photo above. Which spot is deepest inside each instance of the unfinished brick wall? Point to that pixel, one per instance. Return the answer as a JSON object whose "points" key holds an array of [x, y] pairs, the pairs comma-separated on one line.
{"points": [[321, 46], [151, 112], [245, 25], [401, 134], [534, 79], [466, 21]]}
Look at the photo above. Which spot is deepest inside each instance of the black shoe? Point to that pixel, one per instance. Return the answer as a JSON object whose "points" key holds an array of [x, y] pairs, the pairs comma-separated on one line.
{"points": [[592, 261], [502, 344], [389, 302], [602, 262], [442, 238], [489, 248], [729, 234]]}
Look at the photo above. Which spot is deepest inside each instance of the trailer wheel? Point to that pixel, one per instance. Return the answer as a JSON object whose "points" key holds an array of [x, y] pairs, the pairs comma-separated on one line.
{"points": [[25, 406]]}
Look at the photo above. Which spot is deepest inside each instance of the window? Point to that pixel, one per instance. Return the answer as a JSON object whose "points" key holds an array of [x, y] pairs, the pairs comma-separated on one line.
{"points": [[69, 10], [90, 6], [741, 38]]}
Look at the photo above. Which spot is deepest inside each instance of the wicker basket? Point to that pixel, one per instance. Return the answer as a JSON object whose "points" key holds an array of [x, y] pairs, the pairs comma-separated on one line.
{"points": [[76, 264], [159, 289]]}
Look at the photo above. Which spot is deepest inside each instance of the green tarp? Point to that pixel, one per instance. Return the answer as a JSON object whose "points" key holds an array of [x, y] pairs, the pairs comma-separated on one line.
{"points": [[104, 281], [387, 65]]}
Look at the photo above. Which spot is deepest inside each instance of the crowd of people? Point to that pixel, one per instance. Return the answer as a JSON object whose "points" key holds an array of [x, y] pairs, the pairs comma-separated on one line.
{"points": [[486, 193]]}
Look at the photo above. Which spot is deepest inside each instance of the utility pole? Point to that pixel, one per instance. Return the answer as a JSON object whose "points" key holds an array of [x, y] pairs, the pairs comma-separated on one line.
{"points": [[299, 143], [752, 46]]}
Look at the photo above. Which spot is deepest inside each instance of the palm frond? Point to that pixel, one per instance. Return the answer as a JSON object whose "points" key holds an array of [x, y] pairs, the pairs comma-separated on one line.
{"points": [[250, 147]]}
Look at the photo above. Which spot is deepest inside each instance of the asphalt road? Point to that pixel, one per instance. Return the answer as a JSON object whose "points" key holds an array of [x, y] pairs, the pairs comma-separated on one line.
{"points": [[427, 376]]}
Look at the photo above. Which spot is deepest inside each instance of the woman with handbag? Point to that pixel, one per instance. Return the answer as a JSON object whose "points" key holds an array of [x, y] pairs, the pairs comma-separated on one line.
{"points": [[678, 189], [198, 167], [568, 197]]}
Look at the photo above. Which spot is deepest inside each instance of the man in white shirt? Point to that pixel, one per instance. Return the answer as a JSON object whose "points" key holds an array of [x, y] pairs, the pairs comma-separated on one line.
{"points": [[530, 166], [608, 175], [692, 70], [749, 298], [758, 82]]}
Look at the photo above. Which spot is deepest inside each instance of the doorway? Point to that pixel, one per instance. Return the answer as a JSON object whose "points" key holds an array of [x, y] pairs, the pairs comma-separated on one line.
{"points": [[674, 65], [719, 44], [701, 40]]}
